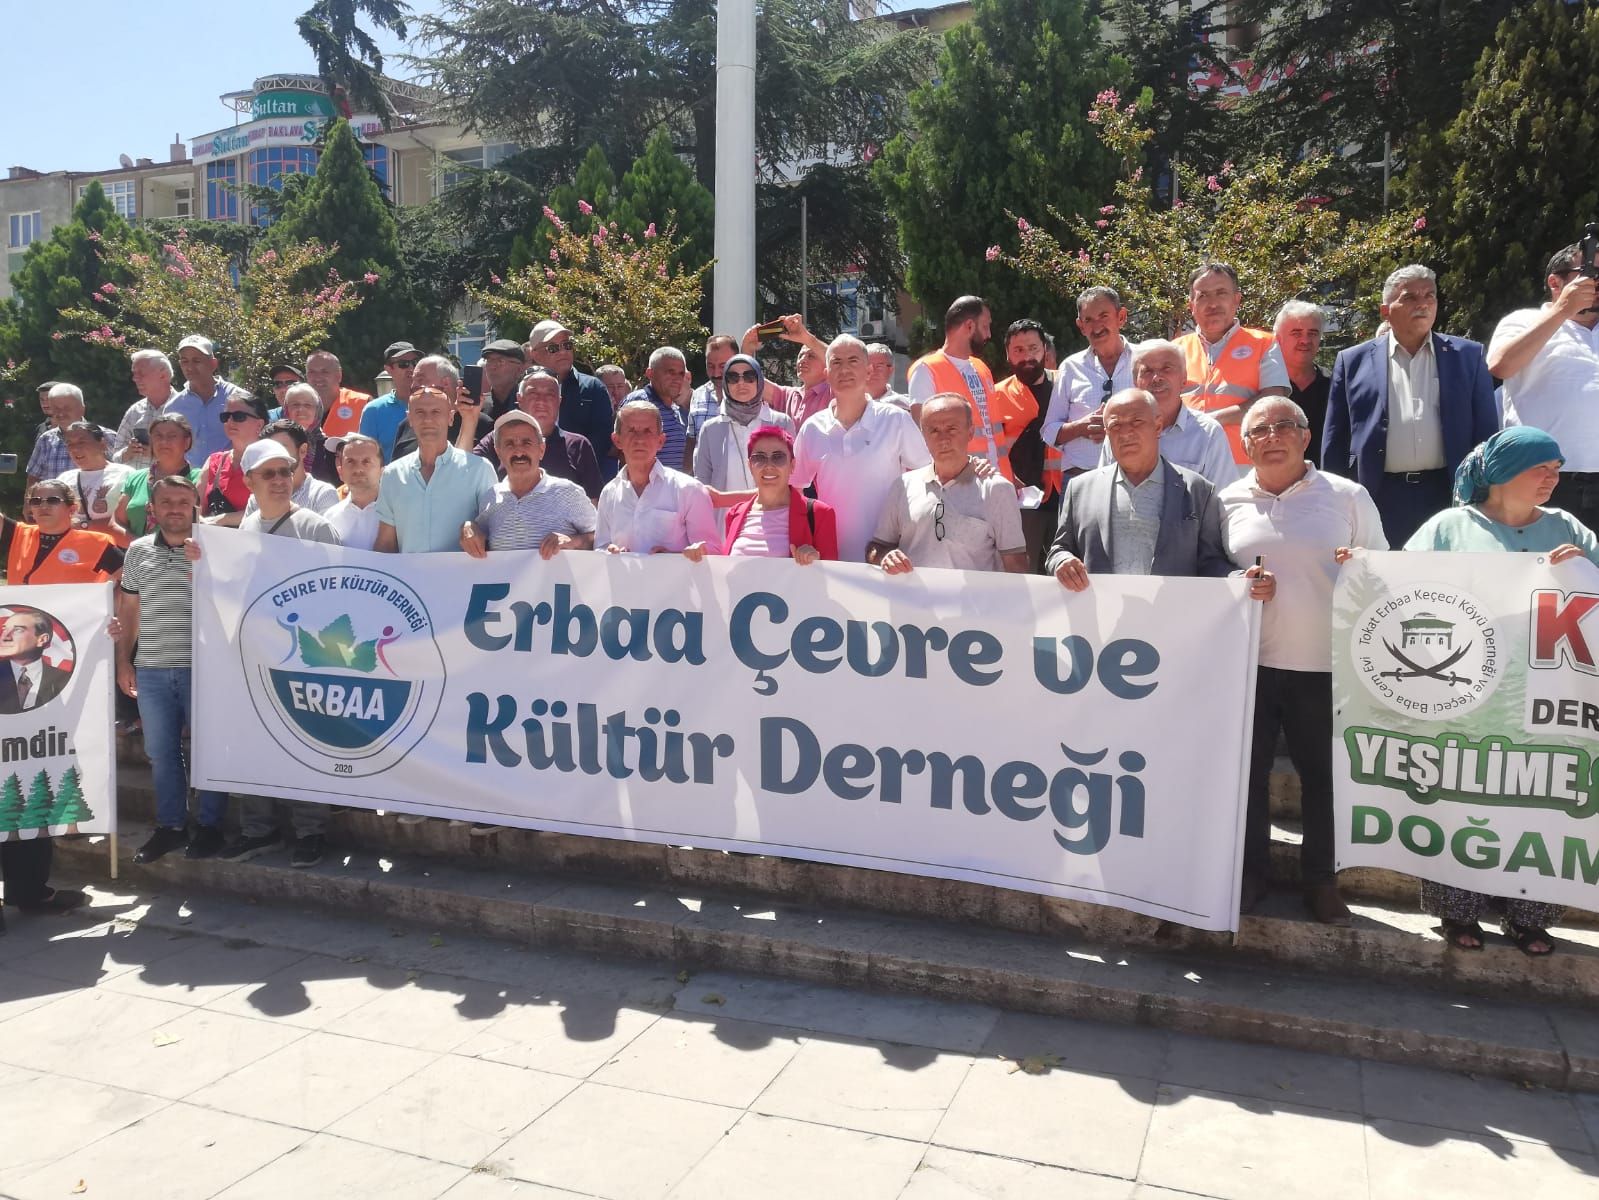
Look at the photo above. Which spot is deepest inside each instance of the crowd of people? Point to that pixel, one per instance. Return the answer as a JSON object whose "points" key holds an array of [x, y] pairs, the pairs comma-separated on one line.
{"points": [[1225, 451]]}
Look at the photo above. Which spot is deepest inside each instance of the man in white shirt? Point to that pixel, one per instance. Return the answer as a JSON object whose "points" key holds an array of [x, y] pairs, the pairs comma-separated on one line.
{"points": [[152, 376], [648, 508], [1087, 379], [1188, 437], [1548, 359], [1300, 523], [880, 376], [855, 449], [360, 462]]}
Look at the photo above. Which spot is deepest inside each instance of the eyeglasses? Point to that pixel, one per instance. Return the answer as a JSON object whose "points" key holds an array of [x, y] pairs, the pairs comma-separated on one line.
{"points": [[938, 522], [405, 364], [37, 500], [275, 472], [739, 376], [1279, 429], [777, 458], [564, 347], [237, 415], [283, 383]]}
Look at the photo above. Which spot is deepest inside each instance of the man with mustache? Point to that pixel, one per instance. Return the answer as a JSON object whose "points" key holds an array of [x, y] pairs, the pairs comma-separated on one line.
{"points": [[529, 509]]}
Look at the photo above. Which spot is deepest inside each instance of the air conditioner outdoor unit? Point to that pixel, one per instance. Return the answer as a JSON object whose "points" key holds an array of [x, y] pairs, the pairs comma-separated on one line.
{"points": [[871, 329]]}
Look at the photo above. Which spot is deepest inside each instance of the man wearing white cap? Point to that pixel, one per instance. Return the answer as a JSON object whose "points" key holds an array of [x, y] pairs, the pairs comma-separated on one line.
{"points": [[585, 401], [530, 509], [203, 397]]}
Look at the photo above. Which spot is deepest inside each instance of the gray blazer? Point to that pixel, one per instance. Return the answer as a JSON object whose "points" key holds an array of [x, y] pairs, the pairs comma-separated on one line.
{"points": [[1189, 542]]}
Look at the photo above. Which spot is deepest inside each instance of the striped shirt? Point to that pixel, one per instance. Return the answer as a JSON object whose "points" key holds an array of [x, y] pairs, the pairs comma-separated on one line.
{"points": [[162, 579], [553, 506]]}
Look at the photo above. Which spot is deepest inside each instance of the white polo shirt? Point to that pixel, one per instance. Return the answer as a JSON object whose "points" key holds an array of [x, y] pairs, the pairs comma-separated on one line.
{"points": [[855, 467], [1297, 533], [1558, 392], [673, 511], [357, 527]]}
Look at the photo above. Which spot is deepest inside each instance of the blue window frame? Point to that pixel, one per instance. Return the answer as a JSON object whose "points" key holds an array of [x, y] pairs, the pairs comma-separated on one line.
{"points": [[377, 161], [467, 342], [221, 202], [267, 168]]}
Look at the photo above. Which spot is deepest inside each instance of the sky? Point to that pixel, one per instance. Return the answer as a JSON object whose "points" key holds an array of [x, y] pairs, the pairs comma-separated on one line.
{"points": [[135, 74]]}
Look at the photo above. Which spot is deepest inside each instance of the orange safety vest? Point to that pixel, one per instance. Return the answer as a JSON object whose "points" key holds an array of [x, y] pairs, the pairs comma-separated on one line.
{"points": [[71, 560], [1005, 419], [345, 416], [1234, 378], [1016, 396]]}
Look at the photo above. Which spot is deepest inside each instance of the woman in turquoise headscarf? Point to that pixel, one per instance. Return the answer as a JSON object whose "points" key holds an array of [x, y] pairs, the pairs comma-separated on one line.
{"points": [[1500, 491]]}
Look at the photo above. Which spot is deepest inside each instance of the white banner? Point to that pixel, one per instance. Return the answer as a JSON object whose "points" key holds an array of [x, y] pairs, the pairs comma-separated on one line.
{"points": [[1466, 748], [969, 726], [57, 678]]}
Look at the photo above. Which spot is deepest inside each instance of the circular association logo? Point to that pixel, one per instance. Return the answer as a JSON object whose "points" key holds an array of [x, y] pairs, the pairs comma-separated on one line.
{"points": [[68, 555], [342, 668], [1241, 352], [1429, 651], [344, 412]]}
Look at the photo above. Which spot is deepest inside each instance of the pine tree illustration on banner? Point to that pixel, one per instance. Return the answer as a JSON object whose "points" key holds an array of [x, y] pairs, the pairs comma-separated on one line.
{"points": [[36, 813], [10, 807], [70, 806]]}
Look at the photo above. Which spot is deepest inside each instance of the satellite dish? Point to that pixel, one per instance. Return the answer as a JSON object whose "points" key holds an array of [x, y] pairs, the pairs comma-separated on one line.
{"points": [[124, 160]]}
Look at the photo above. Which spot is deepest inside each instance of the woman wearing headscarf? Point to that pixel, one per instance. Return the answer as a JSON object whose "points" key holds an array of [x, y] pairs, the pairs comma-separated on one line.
{"points": [[1500, 491], [721, 455]]}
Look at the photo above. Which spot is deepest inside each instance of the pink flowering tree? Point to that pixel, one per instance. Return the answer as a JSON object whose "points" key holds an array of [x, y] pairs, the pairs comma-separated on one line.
{"points": [[257, 315], [1265, 217], [620, 296]]}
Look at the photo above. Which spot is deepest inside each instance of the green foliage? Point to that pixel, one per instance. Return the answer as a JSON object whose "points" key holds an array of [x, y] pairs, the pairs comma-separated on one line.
{"points": [[11, 804], [70, 807], [1163, 43], [660, 190], [64, 272], [593, 188], [1000, 129], [337, 646], [343, 207], [347, 58], [40, 803], [1284, 241], [1516, 174]]}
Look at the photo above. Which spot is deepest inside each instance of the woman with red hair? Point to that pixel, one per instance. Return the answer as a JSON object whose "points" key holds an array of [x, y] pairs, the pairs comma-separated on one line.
{"points": [[779, 521]]}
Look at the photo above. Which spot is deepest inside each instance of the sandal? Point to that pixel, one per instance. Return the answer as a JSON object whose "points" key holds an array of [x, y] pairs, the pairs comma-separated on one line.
{"points": [[1524, 936], [1456, 933]]}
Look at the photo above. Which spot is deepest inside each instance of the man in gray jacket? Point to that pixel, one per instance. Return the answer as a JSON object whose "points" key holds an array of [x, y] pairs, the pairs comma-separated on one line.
{"points": [[1140, 515]]}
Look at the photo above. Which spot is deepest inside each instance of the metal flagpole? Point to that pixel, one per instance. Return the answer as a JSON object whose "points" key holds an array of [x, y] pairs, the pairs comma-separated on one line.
{"points": [[733, 306]]}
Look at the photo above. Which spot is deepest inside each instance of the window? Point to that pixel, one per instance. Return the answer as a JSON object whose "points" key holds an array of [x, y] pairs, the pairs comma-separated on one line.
{"points": [[484, 158], [221, 201], [467, 342], [183, 202], [377, 161], [267, 168], [26, 228], [123, 194]]}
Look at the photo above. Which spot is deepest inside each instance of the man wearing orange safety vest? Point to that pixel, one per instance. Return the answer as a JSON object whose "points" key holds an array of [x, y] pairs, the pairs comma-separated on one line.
{"points": [[956, 367], [50, 551], [1027, 389], [1230, 366]]}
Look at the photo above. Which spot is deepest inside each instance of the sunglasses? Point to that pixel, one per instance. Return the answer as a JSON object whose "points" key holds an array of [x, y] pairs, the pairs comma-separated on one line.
{"points": [[739, 376], [275, 472], [405, 364], [283, 383], [37, 500], [236, 415], [564, 347], [777, 458]]}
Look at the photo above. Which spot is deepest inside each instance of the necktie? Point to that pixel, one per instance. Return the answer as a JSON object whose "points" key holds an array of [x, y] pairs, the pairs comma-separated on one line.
{"points": [[24, 686]]}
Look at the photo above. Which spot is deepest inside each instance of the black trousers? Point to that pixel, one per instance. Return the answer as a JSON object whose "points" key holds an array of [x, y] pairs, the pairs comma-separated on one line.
{"points": [[1405, 501], [1038, 527], [25, 867], [1578, 493], [1299, 705]]}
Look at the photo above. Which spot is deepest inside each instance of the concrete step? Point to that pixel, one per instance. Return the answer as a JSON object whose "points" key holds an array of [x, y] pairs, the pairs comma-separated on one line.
{"points": [[1061, 973]]}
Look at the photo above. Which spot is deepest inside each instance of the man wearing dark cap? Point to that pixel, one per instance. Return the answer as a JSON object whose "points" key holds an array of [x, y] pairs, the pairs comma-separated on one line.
{"points": [[381, 418], [504, 361], [586, 407], [284, 376]]}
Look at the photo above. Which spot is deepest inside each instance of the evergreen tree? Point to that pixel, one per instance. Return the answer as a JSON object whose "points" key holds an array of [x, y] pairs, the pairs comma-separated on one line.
{"points": [[594, 185], [347, 58], [342, 205], [1002, 130], [1516, 174], [36, 812], [660, 190], [70, 806], [11, 805], [62, 272]]}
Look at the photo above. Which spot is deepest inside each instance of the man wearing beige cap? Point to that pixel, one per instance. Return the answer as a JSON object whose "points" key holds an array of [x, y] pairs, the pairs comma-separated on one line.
{"points": [[204, 397], [585, 401]]}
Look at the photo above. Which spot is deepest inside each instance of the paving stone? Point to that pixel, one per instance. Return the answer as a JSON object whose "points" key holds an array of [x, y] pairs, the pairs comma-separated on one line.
{"points": [[457, 1110], [1092, 1123], [874, 1087], [664, 1138], [1248, 1149], [313, 1082], [1405, 1161], [696, 1058], [22, 991], [184, 1054], [1266, 1072], [310, 992], [330, 1166], [81, 1027], [1475, 1106], [1081, 1046], [87, 958], [480, 1185], [31, 1115], [178, 1153], [777, 1159], [946, 1174], [202, 971], [430, 1012], [573, 1037]]}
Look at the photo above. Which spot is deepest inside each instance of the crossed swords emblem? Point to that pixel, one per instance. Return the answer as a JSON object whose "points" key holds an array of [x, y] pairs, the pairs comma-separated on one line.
{"points": [[1439, 671]]}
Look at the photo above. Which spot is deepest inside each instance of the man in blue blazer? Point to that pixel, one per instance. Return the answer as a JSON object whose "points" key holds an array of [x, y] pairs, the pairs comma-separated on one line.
{"points": [[1407, 406], [1141, 515]]}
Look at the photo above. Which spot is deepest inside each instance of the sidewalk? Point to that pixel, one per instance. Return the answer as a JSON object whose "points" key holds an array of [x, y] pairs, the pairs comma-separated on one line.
{"points": [[218, 1048]]}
